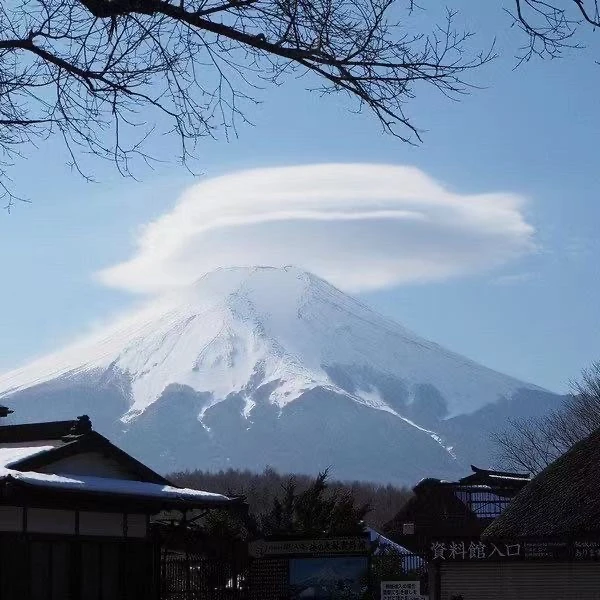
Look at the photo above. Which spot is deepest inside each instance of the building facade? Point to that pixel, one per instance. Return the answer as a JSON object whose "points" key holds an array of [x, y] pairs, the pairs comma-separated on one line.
{"points": [[444, 520], [75, 515], [553, 527]]}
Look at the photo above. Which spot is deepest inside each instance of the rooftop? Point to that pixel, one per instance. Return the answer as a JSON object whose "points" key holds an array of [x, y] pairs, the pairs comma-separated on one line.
{"points": [[27, 453], [51, 430], [170, 495], [563, 500], [450, 508], [495, 478]]}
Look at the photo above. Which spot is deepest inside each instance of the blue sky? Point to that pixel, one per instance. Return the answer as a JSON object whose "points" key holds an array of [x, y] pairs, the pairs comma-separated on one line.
{"points": [[531, 132]]}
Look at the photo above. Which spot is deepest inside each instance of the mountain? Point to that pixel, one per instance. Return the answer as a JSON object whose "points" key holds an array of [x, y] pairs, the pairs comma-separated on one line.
{"points": [[266, 366]]}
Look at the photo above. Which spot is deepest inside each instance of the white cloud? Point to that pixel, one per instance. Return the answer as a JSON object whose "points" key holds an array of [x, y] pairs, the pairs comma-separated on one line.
{"points": [[361, 226]]}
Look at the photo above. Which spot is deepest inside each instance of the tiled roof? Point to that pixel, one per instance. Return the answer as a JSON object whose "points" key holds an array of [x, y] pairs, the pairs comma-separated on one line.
{"points": [[25, 449]]}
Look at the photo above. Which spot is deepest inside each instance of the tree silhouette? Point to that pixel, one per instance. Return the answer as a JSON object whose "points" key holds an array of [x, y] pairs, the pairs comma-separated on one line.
{"points": [[260, 489], [100, 73], [532, 444], [553, 25], [316, 511]]}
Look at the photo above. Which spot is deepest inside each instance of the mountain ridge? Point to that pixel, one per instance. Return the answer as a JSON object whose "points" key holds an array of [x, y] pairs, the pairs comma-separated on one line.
{"points": [[244, 347]]}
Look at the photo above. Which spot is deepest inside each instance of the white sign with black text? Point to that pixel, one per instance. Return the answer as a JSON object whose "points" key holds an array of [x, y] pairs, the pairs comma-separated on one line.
{"points": [[401, 590]]}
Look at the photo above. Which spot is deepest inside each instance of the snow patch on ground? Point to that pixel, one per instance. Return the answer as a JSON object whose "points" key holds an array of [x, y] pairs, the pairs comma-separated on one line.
{"points": [[249, 404]]}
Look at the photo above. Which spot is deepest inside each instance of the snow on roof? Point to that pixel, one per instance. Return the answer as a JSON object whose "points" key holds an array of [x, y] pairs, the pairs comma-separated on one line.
{"points": [[510, 477], [407, 559], [115, 486], [375, 536], [12, 453]]}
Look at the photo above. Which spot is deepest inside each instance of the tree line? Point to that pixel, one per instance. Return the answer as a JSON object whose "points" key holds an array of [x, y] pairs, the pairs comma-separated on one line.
{"points": [[375, 504]]}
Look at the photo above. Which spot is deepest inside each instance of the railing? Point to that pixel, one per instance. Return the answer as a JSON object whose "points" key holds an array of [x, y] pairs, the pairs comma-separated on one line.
{"points": [[202, 578]]}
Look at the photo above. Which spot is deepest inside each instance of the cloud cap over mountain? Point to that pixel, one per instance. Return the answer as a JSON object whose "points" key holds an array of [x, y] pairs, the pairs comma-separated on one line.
{"points": [[361, 226]]}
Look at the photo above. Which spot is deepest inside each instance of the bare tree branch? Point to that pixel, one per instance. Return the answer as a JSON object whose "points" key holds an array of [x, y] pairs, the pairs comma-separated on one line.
{"points": [[106, 75], [532, 444], [551, 26]]}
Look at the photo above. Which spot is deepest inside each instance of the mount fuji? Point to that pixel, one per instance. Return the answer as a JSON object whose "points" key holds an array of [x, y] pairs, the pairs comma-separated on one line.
{"points": [[274, 366]]}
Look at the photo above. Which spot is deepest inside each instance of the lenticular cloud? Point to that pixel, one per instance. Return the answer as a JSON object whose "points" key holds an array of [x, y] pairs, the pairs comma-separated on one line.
{"points": [[360, 226]]}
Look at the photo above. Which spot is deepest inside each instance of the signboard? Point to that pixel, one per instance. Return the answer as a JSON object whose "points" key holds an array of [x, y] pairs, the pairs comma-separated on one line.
{"points": [[473, 550], [328, 577], [401, 590], [477, 550], [547, 550], [321, 569], [329, 546], [587, 550]]}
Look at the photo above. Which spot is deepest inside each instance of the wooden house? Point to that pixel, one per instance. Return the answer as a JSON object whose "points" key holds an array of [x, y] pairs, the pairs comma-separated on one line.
{"points": [[443, 521], [75, 514], [453, 509], [553, 526]]}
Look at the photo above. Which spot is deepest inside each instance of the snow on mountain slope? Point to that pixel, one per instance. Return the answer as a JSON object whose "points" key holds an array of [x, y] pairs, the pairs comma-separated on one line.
{"points": [[282, 325], [257, 366]]}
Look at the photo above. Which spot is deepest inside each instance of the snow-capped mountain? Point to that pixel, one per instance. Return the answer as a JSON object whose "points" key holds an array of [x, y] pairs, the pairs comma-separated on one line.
{"points": [[257, 366]]}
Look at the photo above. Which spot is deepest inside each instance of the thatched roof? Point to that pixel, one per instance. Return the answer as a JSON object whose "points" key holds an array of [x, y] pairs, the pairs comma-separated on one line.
{"points": [[562, 501]]}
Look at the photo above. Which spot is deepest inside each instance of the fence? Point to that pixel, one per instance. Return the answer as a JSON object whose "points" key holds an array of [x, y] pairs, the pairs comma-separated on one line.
{"points": [[232, 576], [203, 578]]}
